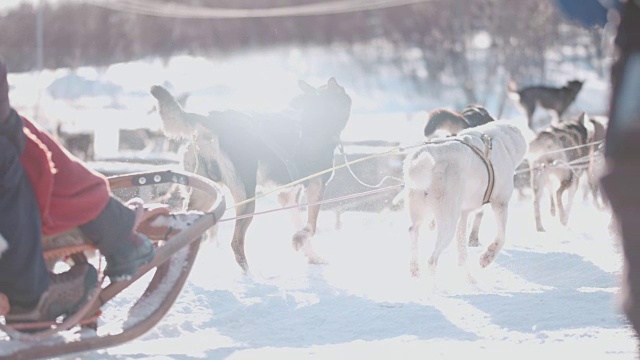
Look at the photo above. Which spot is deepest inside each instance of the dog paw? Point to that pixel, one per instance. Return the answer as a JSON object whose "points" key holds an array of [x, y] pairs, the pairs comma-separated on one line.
{"points": [[414, 269], [300, 239], [471, 279], [317, 260], [487, 258]]}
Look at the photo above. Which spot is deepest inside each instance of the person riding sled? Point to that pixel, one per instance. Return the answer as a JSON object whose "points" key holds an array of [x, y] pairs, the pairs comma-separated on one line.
{"points": [[45, 190]]}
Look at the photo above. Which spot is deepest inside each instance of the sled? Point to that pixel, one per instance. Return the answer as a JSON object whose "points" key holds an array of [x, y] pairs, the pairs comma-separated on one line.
{"points": [[172, 263]]}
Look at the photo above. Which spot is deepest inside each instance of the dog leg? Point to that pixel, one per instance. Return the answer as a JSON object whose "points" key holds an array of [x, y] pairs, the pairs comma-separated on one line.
{"points": [[302, 238], [461, 238], [536, 180], [571, 195], [416, 204], [530, 110], [240, 230], [290, 198], [447, 218], [475, 230], [501, 212], [241, 192], [562, 211], [571, 192]]}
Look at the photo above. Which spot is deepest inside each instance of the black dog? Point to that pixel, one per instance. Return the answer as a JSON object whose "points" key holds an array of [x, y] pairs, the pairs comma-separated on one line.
{"points": [[230, 147], [550, 98]]}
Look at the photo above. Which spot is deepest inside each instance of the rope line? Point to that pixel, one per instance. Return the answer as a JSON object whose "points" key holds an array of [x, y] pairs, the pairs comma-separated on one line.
{"points": [[584, 161], [344, 155], [183, 11], [349, 163], [340, 198], [296, 182], [573, 147]]}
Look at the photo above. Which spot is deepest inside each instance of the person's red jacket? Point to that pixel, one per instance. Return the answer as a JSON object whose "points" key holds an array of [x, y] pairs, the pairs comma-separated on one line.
{"points": [[69, 194]]}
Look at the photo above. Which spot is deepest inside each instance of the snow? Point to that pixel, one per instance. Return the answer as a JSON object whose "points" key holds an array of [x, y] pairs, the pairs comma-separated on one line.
{"points": [[547, 294]]}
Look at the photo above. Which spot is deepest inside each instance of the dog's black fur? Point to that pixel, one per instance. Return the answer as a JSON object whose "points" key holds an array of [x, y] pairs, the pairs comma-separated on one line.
{"points": [[550, 98], [233, 146], [453, 122]]}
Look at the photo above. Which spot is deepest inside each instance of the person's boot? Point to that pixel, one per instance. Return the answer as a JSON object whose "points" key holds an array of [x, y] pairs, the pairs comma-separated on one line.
{"points": [[124, 263], [67, 292]]}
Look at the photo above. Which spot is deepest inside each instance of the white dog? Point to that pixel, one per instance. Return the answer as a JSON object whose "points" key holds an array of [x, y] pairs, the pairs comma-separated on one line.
{"points": [[455, 176]]}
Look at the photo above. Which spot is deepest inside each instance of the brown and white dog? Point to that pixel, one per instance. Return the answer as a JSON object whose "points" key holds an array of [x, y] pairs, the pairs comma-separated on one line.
{"points": [[443, 122], [230, 147], [559, 156]]}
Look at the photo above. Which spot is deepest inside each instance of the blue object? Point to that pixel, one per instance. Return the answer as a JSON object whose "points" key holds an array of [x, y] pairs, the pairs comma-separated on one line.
{"points": [[588, 13]]}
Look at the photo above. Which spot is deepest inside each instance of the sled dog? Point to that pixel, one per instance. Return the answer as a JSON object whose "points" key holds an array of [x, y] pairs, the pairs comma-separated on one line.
{"points": [[558, 156], [444, 123], [230, 147], [549, 98], [455, 176]]}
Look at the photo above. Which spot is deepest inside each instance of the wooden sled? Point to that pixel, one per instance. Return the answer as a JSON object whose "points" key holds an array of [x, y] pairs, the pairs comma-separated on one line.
{"points": [[172, 263]]}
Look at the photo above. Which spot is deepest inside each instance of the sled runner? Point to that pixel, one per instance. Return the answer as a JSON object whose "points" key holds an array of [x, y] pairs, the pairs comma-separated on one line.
{"points": [[176, 249]]}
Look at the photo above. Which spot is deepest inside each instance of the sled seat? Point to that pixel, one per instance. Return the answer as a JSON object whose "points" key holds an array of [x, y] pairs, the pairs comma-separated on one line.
{"points": [[186, 228]]}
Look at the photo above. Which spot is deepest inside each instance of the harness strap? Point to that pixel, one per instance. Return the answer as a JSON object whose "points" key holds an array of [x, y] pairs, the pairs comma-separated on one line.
{"points": [[484, 156]]}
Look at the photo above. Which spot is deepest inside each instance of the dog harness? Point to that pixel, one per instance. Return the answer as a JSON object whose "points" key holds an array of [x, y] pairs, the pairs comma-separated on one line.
{"points": [[484, 156]]}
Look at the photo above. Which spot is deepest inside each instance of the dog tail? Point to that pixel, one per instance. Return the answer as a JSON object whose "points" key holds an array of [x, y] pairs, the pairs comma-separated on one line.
{"points": [[420, 169], [176, 122]]}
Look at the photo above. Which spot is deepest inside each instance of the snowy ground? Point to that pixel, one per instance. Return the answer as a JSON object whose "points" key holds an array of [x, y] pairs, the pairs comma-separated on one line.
{"points": [[547, 294]]}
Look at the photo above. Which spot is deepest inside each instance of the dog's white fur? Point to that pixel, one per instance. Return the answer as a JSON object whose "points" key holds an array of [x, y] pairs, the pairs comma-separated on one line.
{"points": [[449, 180], [3, 245]]}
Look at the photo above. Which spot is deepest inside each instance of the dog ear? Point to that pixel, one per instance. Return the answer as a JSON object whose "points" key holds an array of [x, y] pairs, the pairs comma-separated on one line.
{"points": [[588, 125], [333, 84], [584, 120], [305, 87]]}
